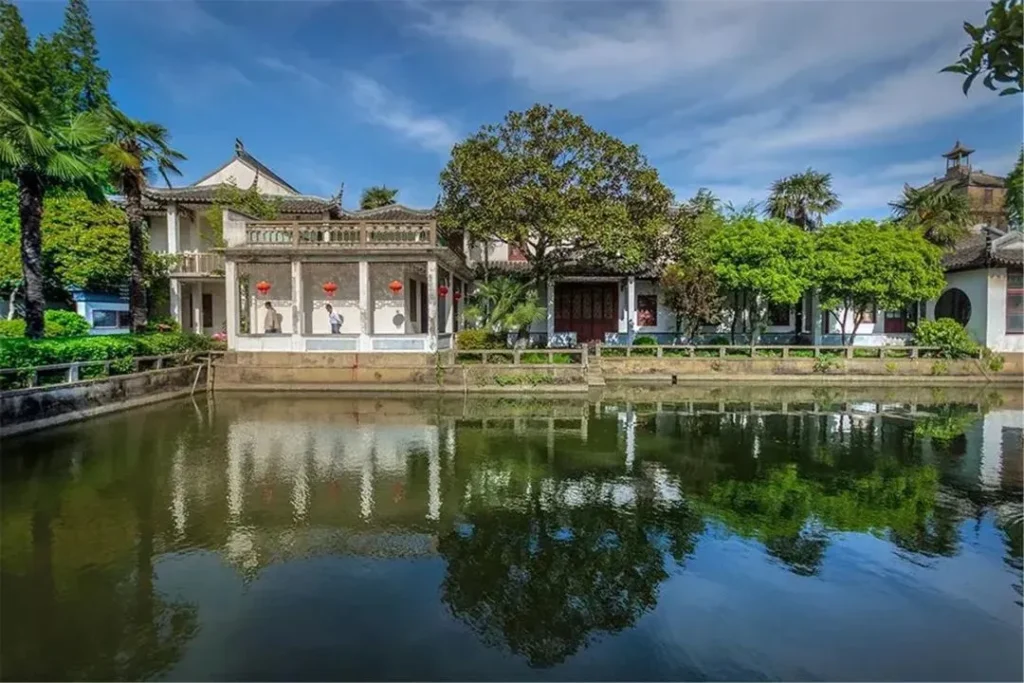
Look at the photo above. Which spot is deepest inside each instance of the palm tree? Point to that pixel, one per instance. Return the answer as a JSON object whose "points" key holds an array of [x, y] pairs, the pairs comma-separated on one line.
{"points": [[940, 213], [503, 305], [803, 199], [136, 152], [39, 149], [377, 196]]}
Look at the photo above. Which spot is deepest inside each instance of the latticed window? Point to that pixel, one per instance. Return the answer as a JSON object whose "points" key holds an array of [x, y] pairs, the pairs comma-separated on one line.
{"points": [[647, 310], [1015, 303]]}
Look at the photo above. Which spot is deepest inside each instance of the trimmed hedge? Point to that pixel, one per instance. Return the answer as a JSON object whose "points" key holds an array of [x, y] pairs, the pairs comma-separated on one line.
{"points": [[56, 323], [25, 353], [477, 340]]}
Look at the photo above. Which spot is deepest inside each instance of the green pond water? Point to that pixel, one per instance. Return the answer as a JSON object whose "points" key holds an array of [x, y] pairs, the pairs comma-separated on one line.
{"points": [[755, 534]]}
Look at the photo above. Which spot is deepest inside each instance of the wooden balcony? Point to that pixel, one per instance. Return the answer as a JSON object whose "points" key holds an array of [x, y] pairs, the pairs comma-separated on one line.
{"points": [[343, 234], [198, 263]]}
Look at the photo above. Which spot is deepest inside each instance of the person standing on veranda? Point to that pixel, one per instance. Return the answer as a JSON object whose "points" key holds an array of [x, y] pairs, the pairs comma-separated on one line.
{"points": [[334, 319]]}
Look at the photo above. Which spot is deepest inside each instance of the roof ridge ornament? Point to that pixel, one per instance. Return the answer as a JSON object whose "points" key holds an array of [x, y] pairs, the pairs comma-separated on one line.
{"points": [[239, 147]]}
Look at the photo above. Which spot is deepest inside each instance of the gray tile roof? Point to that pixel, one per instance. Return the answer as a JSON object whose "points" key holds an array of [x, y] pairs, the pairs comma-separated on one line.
{"points": [[989, 247], [205, 194]]}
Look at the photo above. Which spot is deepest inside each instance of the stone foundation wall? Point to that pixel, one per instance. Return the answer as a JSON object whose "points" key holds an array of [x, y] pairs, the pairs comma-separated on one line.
{"points": [[23, 410], [613, 368]]}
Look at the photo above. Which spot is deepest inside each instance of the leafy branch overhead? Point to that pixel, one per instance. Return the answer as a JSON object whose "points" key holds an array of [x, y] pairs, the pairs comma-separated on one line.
{"points": [[996, 50], [555, 189]]}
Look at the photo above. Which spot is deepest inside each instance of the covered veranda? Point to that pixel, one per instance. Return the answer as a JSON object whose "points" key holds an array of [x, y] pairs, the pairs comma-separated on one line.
{"points": [[344, 285]]}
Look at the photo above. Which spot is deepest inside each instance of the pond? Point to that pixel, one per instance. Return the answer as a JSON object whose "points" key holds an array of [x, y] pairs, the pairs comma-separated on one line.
{"points": [[753, 534]]}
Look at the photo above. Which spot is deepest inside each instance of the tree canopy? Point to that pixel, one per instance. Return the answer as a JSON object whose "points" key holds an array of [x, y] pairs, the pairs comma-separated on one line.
{"points": [[996, 50], [939, 212], [1015, 194], [803, 199], [555, 189], [861, 264], [766, 261], [377, 196]]}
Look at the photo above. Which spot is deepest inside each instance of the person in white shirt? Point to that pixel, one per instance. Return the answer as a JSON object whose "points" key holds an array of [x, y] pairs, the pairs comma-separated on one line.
{"points": [[334, 319]]}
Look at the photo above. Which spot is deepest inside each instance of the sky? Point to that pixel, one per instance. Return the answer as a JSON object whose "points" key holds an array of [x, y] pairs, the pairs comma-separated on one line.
{"points": [[728, 95]]}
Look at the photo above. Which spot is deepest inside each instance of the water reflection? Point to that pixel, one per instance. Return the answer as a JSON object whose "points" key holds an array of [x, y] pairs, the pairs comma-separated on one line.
{"points": [[547, 530]]}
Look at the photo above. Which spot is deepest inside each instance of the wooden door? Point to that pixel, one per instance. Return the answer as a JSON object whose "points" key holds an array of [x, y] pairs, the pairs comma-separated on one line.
{"points": [[589, 310]]}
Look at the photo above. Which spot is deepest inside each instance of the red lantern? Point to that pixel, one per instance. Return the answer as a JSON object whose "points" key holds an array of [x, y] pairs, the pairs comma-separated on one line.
{"points": [[330, 288], [443, 291], [263, 287], [395, 287], [457, 295]]}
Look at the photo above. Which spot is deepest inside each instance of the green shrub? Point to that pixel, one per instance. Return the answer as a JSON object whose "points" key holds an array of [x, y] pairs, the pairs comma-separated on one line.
{"points": [[56, 323], [12, 328], [163, 324], [720, 340], [994, 361], [947, 334], [471, 340], [24, 353], [59, 323], [826, 364], [645, 341]]}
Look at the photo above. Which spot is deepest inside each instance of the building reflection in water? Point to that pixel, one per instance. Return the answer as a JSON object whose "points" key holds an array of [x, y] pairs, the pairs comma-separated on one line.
{"points": [[556, 522]]}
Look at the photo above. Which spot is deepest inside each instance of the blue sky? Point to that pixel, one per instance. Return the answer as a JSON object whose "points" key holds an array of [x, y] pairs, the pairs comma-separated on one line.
{"points": [[726, 94]]}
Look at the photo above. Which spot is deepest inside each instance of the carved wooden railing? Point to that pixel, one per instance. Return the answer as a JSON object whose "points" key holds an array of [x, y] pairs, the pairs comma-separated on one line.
{"points": [[198, 263], [342, 234]]}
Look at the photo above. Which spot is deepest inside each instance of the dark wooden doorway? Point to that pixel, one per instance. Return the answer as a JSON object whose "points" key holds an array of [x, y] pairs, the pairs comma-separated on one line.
{"points": [[588, 309]]}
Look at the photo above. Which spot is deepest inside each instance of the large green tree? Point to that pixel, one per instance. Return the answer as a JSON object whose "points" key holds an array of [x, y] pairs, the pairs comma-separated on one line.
{"points": [[1015, 194], [803, 199], [74, 80], [862, 264], [137, 152], [40, 149], [996, 50], [763, 263], [554, 188], [939, 212], [377, 196]]}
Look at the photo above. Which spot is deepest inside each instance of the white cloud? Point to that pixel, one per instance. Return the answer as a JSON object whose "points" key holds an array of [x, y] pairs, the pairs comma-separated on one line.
{"points": [[384, 108], [724, 49]]}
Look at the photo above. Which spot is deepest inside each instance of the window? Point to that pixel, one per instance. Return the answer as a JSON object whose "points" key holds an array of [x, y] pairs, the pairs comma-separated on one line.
{"points": [[778, 316], [110, 319], [953, 304], [1015, 303], [988, 196], [647, 310]]}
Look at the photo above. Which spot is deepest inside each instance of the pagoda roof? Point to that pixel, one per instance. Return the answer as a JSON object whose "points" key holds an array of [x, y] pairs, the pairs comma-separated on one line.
{"points": [[958, 151]]}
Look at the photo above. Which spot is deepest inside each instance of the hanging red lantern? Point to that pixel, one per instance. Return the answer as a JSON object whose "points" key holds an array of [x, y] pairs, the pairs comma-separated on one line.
{"points": [[395, 287], [443, 291], [330, 288], [457, 296], [263, 287]]}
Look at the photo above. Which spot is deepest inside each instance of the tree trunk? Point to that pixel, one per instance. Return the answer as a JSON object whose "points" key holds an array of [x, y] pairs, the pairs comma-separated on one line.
{"points": [[30, 211], [136, 256]]}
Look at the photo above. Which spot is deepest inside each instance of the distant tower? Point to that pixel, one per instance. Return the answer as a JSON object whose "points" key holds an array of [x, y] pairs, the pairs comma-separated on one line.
{"points": [[958, 160]]}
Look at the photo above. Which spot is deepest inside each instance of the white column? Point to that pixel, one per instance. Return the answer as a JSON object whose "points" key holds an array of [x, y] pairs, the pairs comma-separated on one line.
{"points": [[449, 303], [431, 306], [630, 308], [550, 313], [365, 327], [176, 312], [197, 307], [297, 299], [173, 229], [231, 302]]}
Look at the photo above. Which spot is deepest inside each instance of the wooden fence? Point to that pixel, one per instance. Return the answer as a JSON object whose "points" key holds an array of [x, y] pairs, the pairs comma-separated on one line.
{"points": [[724, 351], [524, 356], [66, 373]]}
